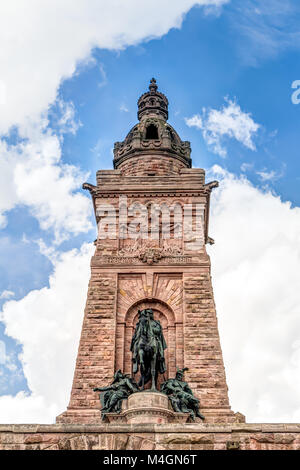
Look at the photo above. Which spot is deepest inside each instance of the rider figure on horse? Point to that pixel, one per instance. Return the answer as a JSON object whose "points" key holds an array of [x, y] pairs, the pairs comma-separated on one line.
{"points": [[147, 346]]}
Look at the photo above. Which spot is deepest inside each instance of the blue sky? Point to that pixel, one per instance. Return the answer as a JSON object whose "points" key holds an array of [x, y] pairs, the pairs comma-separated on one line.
{"points": [[73, 96], [196, 66]]}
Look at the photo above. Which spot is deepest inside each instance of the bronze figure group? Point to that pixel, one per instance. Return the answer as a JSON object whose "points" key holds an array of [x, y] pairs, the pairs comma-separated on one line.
{"points": [[147, 347]]}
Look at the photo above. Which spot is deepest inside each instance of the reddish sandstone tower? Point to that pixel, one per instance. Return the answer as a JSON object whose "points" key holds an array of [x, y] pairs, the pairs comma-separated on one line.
{"points": [[172, 276]]}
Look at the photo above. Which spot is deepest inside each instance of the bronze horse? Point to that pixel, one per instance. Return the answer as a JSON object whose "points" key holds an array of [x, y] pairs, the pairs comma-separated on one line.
{"points": [[147, 346]]}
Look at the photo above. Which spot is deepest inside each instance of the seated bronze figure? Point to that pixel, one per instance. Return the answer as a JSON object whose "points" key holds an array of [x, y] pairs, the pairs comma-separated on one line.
{"points": [[181, 396]]}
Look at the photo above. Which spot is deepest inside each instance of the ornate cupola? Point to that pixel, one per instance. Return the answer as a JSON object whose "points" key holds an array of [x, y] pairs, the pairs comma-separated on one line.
{"points": [[153, 103], [152, 147]]}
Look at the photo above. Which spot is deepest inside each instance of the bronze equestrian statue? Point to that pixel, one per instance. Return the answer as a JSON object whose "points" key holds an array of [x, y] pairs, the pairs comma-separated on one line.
{"points": [[147, 346]]}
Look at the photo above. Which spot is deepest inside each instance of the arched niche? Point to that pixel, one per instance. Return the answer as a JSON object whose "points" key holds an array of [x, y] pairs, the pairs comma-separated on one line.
{"points": [[172, 331]]}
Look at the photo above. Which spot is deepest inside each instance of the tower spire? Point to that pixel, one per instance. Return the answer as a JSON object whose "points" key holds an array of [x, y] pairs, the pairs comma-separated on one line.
{"points": [[153, 103], [153, 87]]}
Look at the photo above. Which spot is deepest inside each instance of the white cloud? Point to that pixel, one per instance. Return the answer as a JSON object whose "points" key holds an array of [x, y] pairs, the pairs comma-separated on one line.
{"points": [[229, 122], [124, 108], [45, 41], [67, 121], [27, 408], [272, 175], [195, 121], [267, 175], [6, 360], [255, 268], [8, 196], [6, 294], [32, 174], [103, 74], [246, 167], [97, 149], [47, 322], [2, 352]]}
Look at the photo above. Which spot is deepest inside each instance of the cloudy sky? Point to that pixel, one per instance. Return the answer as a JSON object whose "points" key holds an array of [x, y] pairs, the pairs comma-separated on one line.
{"points": [[70, 75]]}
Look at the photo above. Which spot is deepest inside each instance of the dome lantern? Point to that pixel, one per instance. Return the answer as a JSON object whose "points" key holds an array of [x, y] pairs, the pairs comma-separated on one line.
{"points": [[153, 103]]}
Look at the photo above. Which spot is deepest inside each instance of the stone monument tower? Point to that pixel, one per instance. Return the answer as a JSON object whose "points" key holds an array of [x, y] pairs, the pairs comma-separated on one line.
{"points": [[150, 341], [140, 266]]}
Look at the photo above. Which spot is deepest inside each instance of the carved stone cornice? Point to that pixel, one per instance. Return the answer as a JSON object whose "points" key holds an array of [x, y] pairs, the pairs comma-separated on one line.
{"points": [[138, 194]]}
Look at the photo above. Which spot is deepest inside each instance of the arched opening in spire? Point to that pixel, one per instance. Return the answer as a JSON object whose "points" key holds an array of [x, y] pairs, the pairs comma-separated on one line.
{"points": [[151, 132]]}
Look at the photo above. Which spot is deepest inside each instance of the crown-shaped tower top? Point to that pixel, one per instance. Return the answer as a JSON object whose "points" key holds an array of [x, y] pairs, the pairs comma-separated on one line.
{"points": [[152, 139], [153, 103]]}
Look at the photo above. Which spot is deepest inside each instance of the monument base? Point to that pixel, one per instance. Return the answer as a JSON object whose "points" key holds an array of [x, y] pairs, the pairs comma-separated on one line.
{"points": [[147, 408]]}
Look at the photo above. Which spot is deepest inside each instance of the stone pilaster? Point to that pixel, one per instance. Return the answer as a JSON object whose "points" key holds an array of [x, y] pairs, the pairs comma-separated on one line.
{"points": [[202, 349]]}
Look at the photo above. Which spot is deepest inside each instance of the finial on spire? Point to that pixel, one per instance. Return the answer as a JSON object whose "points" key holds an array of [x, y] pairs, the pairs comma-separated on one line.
{"points": [[153, 102], [153, 87]]}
